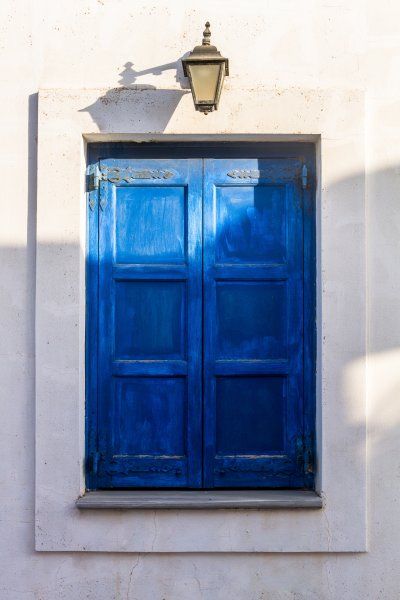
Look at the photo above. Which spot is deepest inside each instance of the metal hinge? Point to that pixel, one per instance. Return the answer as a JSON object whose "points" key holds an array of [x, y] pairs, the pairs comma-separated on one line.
{"points": [[304, 177], [300, 451], [309, 463], [305, 453], [93, 178], [92, 461]]}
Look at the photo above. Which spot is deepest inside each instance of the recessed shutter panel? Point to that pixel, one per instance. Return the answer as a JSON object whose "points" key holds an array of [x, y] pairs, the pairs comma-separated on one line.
{"points": [[149, 330], [253, 323]]}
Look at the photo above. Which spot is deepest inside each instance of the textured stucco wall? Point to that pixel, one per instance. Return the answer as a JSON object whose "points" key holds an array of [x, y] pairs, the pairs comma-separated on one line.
{"points": [[86, 44]]}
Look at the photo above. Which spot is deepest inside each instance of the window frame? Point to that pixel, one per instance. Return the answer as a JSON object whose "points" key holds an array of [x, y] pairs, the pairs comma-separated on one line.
{"points": [[333, 120], [303, 152]]}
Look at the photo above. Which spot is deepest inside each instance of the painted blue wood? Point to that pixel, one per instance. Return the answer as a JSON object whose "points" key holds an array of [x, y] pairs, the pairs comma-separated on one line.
{"points": [[250, 415], [150, 319], [245, 329], [253, 323], [163, 242], [91, 354], [148, 424], [149, 408], [310, 333]]}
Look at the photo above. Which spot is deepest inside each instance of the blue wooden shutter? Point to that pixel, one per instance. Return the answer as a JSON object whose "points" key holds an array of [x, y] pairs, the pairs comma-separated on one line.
{"points": [[149, 327], [150, 424], [253, 323]]}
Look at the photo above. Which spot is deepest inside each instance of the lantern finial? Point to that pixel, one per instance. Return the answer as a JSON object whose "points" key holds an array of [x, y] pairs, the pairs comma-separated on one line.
{"points": [[207, 34]]}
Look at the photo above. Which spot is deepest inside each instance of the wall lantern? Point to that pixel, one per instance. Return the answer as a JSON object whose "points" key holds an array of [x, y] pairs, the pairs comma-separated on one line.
{"points": [[206, 69]]}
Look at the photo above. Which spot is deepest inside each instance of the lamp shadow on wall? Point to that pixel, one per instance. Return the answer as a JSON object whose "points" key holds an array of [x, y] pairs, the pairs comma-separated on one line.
{"points": [[140, 106]]}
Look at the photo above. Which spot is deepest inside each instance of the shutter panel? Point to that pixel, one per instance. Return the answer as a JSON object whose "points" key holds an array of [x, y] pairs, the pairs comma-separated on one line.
{"points": [[253, 323], [149, 331], [200, 362]]}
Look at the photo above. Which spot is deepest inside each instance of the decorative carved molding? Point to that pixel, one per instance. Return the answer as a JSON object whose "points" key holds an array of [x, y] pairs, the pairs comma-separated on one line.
{"points": [[118, 468], [284, 471], [284, 172], [129, 175], [246, 174]]}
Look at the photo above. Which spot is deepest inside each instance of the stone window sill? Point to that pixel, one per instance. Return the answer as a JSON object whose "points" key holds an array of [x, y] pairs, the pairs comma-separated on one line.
{"points": [[200, 499]]}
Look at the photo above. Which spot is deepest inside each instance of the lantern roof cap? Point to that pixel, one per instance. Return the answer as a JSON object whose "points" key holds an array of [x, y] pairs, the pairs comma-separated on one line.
{"points": [[205, 52]]}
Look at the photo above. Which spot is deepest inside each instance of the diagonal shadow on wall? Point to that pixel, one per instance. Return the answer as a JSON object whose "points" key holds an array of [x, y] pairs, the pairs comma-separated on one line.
{"points": [[138, 103]]}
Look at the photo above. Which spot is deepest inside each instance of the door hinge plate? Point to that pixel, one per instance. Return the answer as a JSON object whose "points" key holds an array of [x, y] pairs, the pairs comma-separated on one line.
{"points": [[92, 462], [304, 177], [93, 178], [309, 464], [300, 451], [305, 453]]}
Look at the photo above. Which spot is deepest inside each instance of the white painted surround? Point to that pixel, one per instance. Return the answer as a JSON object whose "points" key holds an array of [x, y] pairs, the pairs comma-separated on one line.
{"points": [[278, 50], [68, 120]]}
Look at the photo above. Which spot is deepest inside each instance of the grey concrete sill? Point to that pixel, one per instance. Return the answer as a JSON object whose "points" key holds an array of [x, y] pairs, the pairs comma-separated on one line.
{"points": [[200, 499]]}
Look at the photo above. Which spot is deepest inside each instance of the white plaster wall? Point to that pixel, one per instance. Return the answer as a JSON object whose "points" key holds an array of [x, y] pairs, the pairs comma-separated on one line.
{"points": [[86, 43]]}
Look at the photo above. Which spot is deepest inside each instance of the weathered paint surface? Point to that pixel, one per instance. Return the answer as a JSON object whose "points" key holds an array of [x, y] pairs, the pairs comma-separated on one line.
{"points": [[149, 376], [317, 45], [157, 315]]}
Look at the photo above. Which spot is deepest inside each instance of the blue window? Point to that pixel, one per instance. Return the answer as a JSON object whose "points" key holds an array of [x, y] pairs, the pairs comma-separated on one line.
{"points": [[200, 317]]}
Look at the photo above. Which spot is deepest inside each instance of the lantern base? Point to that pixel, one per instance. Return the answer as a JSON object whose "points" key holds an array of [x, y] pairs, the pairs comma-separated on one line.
{"points": [[205, 108]]}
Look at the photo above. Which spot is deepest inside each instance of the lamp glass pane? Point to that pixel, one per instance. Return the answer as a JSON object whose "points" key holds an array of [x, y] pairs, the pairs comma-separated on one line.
{"points": [[205, 81]]}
